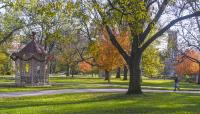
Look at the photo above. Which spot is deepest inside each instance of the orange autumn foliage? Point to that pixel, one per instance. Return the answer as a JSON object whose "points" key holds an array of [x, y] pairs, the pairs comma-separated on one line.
{"points": [[85, 67], [187, 66], [108, 56]]}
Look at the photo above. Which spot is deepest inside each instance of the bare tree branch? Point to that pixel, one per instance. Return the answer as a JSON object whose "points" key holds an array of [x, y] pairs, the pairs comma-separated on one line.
{"points": [[173, 22], [154, 21], [112, 36]]}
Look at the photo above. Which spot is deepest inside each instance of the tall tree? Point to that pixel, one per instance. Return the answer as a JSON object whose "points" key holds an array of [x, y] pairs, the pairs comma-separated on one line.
{"points": [[118, 72], [106, 55], [139, 17], [125, 72], [189, 40]]}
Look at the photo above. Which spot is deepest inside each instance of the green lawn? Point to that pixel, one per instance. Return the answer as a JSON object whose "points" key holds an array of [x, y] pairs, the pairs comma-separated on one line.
{"points": [[103, 103], [7, 84], [99, 103], [166, 84]]}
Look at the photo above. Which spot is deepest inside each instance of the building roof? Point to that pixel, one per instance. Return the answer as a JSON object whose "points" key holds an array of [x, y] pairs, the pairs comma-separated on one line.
{"points": [[31, 51]]}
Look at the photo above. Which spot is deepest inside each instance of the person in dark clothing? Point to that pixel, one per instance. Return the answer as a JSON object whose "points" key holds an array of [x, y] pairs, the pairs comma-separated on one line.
{"points": [[176, 84]]}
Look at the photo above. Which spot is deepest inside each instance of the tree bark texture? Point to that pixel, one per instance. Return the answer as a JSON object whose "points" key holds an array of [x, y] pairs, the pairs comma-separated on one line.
{"points": [[107, 76], [125, 73], [118, 72]]}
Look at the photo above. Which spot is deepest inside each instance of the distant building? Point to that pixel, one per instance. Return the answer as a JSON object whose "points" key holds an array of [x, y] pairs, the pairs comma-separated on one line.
{"points": [[171, 53]]}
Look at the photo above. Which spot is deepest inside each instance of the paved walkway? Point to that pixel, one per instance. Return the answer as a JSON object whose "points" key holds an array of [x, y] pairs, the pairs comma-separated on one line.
{"points": [[53, 92]]}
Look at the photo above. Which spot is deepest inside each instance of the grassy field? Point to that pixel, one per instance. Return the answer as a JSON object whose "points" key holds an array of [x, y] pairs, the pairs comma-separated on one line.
{"points": [[99, 103], [103, 103], [7, 84]]}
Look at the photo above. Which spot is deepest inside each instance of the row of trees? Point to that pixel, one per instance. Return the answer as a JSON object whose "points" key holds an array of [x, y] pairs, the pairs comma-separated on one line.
{"points": [[109, 34], [141, 25], [108, 58], [5, 63]]}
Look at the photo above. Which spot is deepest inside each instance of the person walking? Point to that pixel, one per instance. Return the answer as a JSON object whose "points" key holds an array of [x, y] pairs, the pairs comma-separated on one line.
{"points": [[176, 84]]}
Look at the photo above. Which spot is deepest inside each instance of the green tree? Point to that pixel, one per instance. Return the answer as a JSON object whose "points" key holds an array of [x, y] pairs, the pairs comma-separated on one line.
{"points": [[151, 62], [140, 17], [5, 62]]}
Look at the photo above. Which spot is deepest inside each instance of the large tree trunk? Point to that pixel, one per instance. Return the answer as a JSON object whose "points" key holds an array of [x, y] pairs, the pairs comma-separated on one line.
{"points": [[118, 72], [125, 72], [107, 76], [135, 74]]}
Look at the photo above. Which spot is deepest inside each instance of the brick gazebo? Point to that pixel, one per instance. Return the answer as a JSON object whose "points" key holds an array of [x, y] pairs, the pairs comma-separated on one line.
{"points": [[31, 65]]}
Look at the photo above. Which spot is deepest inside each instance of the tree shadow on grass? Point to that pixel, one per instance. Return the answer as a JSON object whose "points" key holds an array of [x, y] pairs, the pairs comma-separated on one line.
{"points": [[29, 101], [109, 102], [5, 85]]}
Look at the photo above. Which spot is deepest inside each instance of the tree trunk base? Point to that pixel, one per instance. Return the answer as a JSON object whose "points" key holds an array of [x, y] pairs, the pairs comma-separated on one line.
{"points": [[125, 73], [118, 73], [107, 76], [134, 92]]}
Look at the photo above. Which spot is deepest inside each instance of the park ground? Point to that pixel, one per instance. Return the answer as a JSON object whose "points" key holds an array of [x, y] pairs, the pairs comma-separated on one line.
{"points": [[99, 103]]}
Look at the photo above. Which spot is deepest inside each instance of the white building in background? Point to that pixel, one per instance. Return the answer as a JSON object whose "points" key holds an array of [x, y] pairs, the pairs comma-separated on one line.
{"points": [[172, 53]]}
